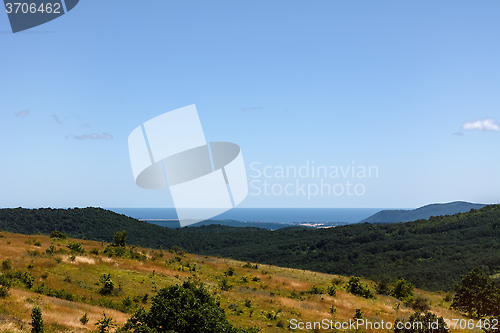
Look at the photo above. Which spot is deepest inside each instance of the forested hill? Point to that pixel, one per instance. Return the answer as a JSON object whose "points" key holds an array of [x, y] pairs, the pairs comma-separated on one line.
{"points": [[424, 212], [433, 254]]}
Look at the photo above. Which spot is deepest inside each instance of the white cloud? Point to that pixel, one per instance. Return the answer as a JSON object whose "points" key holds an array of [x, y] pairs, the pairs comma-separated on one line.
{"points": [[458, 133], [23, 113], [484, 124], [93, 136]]}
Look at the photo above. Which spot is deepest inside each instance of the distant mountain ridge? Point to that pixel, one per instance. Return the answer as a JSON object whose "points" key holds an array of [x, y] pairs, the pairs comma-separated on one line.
{"points": [[424, 212]]}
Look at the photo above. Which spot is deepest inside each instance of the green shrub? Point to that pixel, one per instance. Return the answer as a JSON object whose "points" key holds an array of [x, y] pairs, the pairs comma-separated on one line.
{"points": [[36, 320], [85, 319], [355, 287], [76, 247], [108, 284], [6, 264], [403, 290], [105, 324], [188, 308], [421, 324], [57, 234]]}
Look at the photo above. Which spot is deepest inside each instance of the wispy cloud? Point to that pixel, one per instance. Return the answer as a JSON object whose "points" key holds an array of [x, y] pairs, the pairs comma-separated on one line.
{"points": [[93, 136], [23, 113], [252, 108], [56, 119], [484, 124], [458, 133]]}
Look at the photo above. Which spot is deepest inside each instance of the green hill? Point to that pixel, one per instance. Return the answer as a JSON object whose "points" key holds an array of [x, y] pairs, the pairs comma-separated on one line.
{"points": [[433, 254], [424, 212]]}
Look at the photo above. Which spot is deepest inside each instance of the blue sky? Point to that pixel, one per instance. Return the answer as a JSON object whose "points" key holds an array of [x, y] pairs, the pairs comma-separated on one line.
{"points": [[391, 84]]}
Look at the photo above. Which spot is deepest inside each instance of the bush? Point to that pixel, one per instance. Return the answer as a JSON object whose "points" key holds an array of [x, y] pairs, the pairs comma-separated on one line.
{"points": [[355, 287], [85, 319], [108, 284], [76, 247], [421, 324], [57, 234], [105, 324], [6, 264], [383, 287], [36, 320], [188, 308], [421, 304], [403, 290]]}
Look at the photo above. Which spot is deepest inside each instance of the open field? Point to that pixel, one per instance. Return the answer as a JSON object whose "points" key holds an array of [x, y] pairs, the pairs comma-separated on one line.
{"points": [[251, 294]]}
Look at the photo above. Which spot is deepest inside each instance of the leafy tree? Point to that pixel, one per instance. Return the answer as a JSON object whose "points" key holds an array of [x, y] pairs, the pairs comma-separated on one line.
{"points": [[188, 308], [120, 238], [36, 320], [477, 295], [355, 287], [57, 234], [418, 323], [403, 290]]}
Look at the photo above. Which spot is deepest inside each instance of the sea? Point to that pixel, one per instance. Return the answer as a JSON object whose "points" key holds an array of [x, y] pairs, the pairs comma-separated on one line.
{"points": [[272, 215]]}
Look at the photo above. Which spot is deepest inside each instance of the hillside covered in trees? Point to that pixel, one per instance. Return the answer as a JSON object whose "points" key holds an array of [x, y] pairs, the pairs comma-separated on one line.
{"points": [[432, 254]]}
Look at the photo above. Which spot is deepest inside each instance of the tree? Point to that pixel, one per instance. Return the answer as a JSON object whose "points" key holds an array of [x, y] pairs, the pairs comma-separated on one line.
{"points": [[418, 323], [36, 320], [120, 238], [355, 287], [107, 284], [403, 290], [188, 308], [477, 295]]}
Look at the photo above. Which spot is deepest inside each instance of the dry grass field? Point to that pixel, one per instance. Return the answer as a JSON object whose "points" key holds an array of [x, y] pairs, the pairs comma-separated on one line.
{"points": [[251, 294]]}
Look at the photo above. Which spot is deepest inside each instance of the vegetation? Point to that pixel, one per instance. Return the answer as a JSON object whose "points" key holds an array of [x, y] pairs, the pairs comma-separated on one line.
{"points": [[418, 323], [36, 320], [424, 252], [70, 288], [477, 295], [188, 308]]}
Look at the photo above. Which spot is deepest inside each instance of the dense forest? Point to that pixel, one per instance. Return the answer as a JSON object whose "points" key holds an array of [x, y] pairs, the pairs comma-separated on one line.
{"points": [[432, 254]]}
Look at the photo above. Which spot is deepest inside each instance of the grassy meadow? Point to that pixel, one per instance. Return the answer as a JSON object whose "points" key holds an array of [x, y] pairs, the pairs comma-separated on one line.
{"points": [[67, 284]]}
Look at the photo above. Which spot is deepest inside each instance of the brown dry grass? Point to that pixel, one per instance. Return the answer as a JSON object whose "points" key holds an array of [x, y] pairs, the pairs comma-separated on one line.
{"points": [[280, 293]]}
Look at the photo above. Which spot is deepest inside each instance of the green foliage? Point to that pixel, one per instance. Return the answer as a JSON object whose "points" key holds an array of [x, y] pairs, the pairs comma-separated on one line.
{"points": [[477, 295], [76, 247], [224, 284], [188, 308], [403, 290], [120, 238], [6, 264], [424, 252], [108, 285], [36, 320], [105, 324], [358, 314], [418, 323], [421, 304], [383, 287], [84, 319], [331, 290], [57, 234], [355, 287]]}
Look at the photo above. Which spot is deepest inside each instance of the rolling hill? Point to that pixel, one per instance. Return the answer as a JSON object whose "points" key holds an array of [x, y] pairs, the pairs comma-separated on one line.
{"points": [[424, 212], [433, 254], [64, 277]]}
